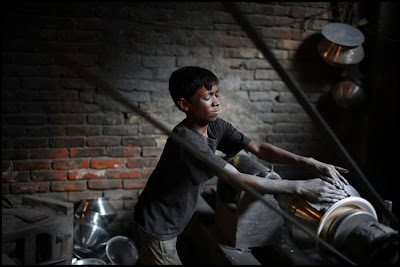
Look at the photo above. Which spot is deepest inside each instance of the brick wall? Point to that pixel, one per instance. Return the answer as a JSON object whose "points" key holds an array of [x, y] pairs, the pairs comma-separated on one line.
{"points": [[64, 138]]}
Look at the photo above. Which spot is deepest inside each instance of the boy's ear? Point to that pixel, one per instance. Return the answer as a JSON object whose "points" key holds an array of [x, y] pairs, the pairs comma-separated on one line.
{"points": [[183, 104]]}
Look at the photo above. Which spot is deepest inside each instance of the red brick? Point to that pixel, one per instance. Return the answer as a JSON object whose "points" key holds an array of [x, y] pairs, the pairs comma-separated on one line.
{"points": [[149, 129], [138, 141], [24, 188], [134, 183], [79, 195], [49, 153], [103, 141], [151, 152], [31, 143], [86, 152], [121, 130], [67, 142], [289, 44], [276, 33], [146, 172], [83, 131], [69, 164], [106, 163], [122, 174], [48, 175], [11, 177], [123, 151], [140, 162], [104, 184], [86, 174], [31, 165], [68, 186]]}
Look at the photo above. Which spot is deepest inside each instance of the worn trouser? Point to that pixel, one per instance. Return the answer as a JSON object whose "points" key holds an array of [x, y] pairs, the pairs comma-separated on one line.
{"points": [[157, 252]]}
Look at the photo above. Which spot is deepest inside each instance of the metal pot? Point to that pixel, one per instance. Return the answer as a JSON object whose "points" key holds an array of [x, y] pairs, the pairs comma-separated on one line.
{"points": [[347, 94], [91, 217], [90, 237], [100, 205], [121, 250]]}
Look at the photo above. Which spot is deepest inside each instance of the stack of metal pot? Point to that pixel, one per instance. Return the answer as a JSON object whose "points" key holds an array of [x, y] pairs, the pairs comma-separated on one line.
{"points": [[90, 235]]}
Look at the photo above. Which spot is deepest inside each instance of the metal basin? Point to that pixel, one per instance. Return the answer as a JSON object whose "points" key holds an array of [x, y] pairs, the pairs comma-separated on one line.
{"points": [[100, 205], [121, 250], [90, 237]]}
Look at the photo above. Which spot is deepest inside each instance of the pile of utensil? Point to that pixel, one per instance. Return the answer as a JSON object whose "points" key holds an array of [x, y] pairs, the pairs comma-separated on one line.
{"points": [[92, 242]]}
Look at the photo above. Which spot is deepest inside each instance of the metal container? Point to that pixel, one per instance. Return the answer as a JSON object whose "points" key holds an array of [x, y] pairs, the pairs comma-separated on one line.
{"points": [[89, 261], [90, 237], [100, 205], [121, 250], [347, 94], [91, 217]]}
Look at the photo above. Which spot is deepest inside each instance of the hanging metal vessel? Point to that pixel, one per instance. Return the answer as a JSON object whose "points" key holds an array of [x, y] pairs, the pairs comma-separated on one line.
{"points": [[341, 44], [347, 94], [337, 54]]}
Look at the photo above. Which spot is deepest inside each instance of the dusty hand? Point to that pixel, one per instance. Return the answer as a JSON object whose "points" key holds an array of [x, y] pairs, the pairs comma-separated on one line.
{"points": [[317, 190], [328, 172]]}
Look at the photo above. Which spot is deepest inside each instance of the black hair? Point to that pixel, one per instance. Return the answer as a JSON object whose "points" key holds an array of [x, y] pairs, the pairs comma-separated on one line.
{"points": [[185, 81]]}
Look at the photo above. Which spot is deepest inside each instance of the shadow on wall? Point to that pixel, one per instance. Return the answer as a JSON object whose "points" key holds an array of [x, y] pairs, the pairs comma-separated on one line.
{"points": [[312, 67]]}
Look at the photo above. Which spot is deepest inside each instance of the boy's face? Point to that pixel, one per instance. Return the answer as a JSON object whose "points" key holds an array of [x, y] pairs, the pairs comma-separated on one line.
{"points": [[204, 105]]}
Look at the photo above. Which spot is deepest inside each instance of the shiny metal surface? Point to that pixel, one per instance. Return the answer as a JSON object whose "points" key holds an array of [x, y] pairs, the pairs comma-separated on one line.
{"points": [[121, 250], [340, 207], [338, 54], [89, 261], [343, 34], [99, 205], [347, 94], [90, 237], [91, 217]]}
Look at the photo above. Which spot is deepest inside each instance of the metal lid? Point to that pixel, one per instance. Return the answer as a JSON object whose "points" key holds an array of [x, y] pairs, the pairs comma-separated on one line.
{"points": [[343, 34]]}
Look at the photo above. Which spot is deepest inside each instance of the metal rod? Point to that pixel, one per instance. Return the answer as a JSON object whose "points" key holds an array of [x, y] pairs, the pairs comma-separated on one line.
{"points": [[302, 98], [95, 79]]}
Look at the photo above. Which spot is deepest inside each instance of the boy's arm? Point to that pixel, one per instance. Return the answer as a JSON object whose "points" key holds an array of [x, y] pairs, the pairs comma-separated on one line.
{"points": [[275, 154], [314, 190]]}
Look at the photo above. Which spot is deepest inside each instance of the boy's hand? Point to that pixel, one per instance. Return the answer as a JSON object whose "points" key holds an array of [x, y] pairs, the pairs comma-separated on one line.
{"points": [[328, 172], [316, 190]]}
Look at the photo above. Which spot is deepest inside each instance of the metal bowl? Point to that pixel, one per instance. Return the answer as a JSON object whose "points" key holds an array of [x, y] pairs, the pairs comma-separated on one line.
{"points": [[121, 250], [91, 217], [100, 205], [81, 253], [335, 54], [347, 94], [90, 237], [89, 261]]}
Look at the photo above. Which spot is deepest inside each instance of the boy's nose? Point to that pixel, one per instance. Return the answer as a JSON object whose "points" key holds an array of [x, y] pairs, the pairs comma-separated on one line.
{"points": [[215, 101]]}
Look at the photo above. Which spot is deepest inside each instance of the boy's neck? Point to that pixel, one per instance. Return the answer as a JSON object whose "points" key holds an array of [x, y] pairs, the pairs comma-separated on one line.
{"points": [[199, 127]]}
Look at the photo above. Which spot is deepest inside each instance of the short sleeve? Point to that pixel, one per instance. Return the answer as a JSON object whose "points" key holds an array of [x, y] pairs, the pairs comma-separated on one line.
{"points": [[199, 171], [232, 141]]}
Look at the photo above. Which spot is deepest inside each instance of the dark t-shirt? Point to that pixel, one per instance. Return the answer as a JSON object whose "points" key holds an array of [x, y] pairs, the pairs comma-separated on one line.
{"points": [[170, 197]]}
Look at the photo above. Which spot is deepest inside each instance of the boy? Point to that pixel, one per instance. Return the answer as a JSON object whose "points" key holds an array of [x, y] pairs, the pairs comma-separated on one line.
{"points": [[169, 199]]}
